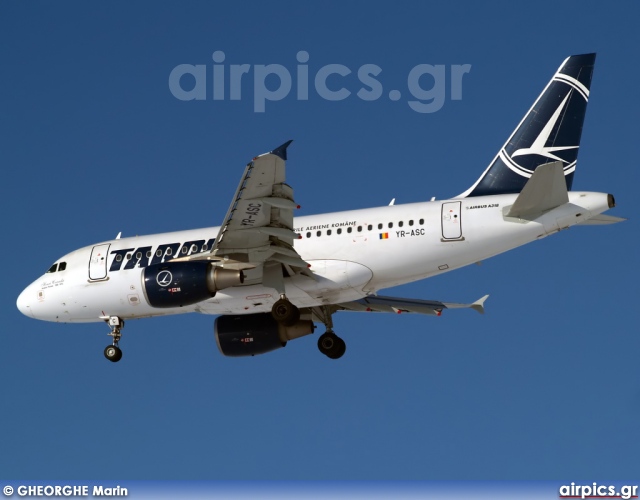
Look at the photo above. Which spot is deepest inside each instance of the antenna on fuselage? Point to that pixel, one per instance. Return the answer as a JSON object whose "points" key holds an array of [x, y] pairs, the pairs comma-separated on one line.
{"points": [[119, 234]]}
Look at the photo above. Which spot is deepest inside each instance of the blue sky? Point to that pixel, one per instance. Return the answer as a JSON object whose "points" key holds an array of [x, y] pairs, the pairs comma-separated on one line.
{"points": [[546, 385]]}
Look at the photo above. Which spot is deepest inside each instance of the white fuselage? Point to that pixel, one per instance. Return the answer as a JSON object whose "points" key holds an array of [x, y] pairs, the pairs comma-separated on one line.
{"points": [[352, 254]]}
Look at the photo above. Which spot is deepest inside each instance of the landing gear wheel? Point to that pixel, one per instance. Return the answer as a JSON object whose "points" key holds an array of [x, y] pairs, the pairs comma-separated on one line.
{"points": [[113, 353], [331, 345], [285, 312]]}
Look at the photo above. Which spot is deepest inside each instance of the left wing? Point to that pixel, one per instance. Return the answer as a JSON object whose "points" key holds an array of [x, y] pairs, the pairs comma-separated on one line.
{"points": [[396, 305], [258, 228]]}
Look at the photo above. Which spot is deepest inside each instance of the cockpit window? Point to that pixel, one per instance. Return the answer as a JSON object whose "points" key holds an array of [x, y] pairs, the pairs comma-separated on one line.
{"points": [[53, 268], [62, 266]]}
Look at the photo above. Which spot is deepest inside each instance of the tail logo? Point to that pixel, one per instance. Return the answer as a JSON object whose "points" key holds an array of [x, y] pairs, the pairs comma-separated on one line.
{"points": [[549, 132], [538, 146]]}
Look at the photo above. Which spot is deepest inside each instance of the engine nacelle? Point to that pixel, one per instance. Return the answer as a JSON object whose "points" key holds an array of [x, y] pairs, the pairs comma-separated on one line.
{"points": [[251, 334], [177, 284]]}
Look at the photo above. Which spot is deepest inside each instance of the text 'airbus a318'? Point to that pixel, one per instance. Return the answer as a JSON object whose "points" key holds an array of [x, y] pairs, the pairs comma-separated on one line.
{"points": [[270, 276]]}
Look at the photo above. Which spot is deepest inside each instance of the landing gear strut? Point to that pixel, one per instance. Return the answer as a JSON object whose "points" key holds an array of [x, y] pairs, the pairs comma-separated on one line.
{"points": [[285, 312], [329, 343], [112, 352]]}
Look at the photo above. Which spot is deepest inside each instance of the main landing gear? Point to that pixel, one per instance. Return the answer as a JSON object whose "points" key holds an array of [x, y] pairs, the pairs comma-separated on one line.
{"points": [[112, 352], [285, 312], [329, 343]]}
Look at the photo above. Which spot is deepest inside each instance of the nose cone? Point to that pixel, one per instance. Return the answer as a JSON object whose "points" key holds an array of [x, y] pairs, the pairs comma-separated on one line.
{"points": [[24, 302]]}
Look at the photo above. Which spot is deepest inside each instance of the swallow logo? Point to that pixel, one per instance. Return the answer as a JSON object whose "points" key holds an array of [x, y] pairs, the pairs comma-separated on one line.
{"points": [[538, 146], [164, 278]]}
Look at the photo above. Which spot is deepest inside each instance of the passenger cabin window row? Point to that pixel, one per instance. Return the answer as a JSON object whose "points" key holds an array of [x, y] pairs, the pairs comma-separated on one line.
{"points": [[57, 267], [369, 228], [168, 252]]}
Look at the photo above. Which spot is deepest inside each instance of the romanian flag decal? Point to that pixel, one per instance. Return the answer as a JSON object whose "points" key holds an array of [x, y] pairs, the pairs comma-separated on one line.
{"points": [[384, 236]]}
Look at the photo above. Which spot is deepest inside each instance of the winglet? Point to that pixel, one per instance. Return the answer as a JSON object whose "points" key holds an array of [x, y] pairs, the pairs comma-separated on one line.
{"points": [[281, 150], [478, 305]]}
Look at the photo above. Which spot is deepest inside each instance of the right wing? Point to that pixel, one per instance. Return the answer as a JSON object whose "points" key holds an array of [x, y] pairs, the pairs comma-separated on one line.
{"points": [[378, 303]]}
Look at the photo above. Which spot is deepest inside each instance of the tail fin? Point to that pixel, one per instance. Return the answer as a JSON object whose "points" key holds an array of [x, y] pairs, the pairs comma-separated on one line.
{"points": [[550, 131]]}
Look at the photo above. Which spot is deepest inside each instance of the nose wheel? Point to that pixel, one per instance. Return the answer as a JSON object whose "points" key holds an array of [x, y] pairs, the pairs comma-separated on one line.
{"points": [[112, 352]]}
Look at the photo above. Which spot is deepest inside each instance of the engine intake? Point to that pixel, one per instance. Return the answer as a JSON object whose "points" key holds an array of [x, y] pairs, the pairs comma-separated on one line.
{"points": [[177, 284], [251, 334]]}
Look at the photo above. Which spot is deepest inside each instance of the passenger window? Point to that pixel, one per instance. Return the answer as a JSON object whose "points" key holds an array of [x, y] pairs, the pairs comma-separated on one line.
{"points": [[118, 258], [184, 250], [138, 255], [319, 233], [339, 230], [53, 268], [194, 248], [359, 229], [390, 225], [328, 232], [411, 222], [369, 227], [149, 254], [205, 247], [128, 256], [158, 253], [349, 229], [380, 226], [421, 221], [62, 266], [169, 251], [400, 224], [309, 235]]}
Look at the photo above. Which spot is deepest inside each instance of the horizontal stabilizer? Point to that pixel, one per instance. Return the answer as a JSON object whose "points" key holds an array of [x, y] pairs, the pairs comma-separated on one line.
{"points": [[378, 303], [600, 220], [544, 191]]}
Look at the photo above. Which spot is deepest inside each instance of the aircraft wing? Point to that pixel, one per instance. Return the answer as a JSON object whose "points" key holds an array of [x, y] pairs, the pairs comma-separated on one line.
{"points": [[378, 303], [258, 227]]}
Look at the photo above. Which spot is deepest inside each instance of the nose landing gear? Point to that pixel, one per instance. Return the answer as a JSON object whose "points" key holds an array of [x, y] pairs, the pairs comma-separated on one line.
{"points": [[112, 352]]}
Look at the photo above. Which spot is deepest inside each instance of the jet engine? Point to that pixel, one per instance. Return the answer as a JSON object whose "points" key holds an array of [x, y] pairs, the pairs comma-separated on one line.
{"points": [[251, 334], [177, 284]]}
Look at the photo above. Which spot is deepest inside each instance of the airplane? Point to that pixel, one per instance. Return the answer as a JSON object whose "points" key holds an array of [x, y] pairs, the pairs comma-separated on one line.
{"points": [[269, 276]]}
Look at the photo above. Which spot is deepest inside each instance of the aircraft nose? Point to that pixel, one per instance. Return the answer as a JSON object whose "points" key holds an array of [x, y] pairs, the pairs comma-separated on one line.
{"points": [[24, 303]]}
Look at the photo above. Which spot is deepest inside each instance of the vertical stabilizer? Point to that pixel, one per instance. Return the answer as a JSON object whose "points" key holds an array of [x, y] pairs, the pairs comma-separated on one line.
{"points": [[550, 131]]}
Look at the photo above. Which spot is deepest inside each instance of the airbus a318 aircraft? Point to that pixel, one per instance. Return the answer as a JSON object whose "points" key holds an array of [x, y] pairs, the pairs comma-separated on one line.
{"points": [[269, 275]]}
